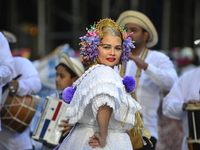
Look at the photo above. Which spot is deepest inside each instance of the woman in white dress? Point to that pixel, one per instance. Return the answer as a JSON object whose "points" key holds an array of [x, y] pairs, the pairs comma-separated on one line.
{"points": [[101, 109]]}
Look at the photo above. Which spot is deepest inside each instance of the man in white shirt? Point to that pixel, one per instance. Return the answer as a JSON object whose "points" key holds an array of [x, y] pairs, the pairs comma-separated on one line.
{"points": [[6, 62], [29, 83], [155, 71], [6, 65], [186, 90]]}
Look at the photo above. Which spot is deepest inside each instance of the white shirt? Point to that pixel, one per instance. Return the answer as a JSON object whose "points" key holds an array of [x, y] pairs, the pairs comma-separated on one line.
{"points": [[6, 64], [160, 74], [186, 88], [29, 83]]}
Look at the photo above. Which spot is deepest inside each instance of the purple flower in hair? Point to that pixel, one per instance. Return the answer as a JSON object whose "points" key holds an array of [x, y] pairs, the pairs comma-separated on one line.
{"points": [[89, 46], [127, 45]]}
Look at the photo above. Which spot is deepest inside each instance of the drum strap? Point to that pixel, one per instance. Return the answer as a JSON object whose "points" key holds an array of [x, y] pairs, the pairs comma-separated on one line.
{"points": [[138, 72], [136, 133], [4, 97]]}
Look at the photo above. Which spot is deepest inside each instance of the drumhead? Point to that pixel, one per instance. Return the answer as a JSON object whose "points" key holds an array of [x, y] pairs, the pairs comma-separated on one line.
{"points": [[17, 112], [193, 107]]}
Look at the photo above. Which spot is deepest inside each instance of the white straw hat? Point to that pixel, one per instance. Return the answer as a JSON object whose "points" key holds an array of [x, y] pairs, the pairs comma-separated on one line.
{"points": [[142, 20], [9, 36], [74, 64]]}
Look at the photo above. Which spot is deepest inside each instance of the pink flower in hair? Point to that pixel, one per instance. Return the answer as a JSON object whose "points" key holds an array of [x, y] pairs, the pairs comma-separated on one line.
{"points": [[128, 35]]}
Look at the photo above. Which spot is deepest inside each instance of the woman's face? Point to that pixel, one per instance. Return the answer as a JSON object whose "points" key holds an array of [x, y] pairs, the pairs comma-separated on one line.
{"points": [[63, 78], [110, 50]]}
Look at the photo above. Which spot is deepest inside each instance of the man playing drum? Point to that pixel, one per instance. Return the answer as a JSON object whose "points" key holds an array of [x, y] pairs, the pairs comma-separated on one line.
{"points": [[29, 83], [184, 93], [6, 64], [153, 71]]}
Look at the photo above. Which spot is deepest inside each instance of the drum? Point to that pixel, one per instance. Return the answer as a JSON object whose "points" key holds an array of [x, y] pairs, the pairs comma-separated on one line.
{"points": [[193, 114], [17, 112], [47, 130]]}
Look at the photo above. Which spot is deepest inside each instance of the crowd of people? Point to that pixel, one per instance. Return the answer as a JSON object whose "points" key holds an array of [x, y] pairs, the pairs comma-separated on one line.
{"points": [[116, 93]]}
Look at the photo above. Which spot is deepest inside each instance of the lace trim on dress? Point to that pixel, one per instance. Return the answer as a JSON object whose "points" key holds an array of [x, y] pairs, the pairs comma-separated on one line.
{"points": [[101, 100]]}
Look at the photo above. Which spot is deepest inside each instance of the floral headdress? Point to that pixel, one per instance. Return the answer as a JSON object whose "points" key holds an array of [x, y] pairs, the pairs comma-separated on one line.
{"points": [[89, 42]]}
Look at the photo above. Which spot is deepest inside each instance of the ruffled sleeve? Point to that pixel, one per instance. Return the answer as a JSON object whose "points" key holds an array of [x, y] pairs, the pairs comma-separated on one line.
{"points": [[101, 85]]}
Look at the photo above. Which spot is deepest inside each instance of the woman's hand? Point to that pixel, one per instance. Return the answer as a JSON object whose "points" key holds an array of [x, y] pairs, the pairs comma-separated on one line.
{"points": [[97, 140], [66, 127]]}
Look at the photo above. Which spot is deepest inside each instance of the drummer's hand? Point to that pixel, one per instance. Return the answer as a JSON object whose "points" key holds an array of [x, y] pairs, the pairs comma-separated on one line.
{"points": [[97, 141], [190, 102], [13, 86], [139, 62], [66, 127]]}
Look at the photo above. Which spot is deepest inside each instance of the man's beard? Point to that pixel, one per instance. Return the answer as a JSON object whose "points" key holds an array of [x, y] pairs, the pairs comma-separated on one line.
{"points": [[133, 49], [137, 46]]}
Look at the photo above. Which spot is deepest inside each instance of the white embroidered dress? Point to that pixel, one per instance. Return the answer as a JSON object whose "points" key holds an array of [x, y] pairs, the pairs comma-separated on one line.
{"points": [[100, 85]]}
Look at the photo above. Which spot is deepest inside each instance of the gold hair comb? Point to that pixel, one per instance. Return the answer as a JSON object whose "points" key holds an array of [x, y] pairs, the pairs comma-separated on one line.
{"points": [[108, 23]]}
